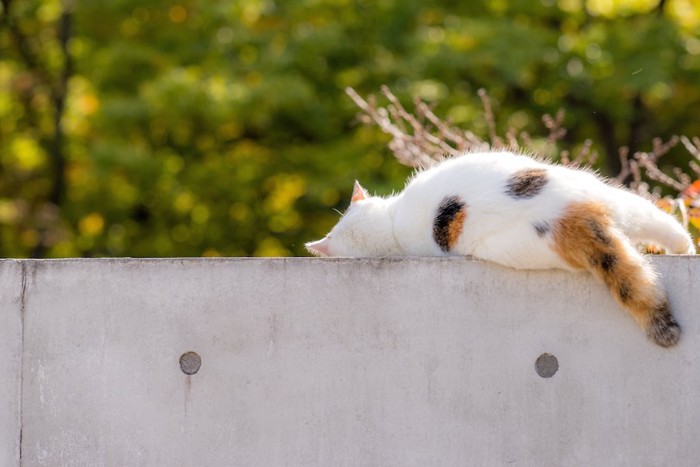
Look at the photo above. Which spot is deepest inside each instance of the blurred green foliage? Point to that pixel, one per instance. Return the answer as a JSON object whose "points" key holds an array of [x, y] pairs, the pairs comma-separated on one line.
{"points": [[211, 127]]}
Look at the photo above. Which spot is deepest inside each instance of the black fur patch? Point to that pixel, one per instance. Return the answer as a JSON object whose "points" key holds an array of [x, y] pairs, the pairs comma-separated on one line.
{"points": [[624, 290], [607, 261], [526, 183], [599, 233], [542, 228], [604, 261], [448, 211]]}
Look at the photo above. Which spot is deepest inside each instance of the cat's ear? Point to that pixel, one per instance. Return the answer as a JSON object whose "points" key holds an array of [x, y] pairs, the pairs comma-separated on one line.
{"points": [[319, 247], [358, 193]]}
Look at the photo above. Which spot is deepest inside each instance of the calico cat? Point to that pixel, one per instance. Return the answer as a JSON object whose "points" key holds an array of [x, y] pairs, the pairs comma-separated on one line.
{"points": [[522, 213]]}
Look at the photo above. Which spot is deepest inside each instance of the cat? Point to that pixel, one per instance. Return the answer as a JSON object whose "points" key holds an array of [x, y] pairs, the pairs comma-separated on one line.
{"points": [[524, 213]]}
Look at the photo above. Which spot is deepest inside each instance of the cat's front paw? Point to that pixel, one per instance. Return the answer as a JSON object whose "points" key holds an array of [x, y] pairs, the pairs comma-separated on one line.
{"points": [[664, 330]]}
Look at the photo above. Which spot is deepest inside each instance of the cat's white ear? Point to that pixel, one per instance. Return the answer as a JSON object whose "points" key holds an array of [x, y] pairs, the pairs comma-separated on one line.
{"points": [[358, 193], [319, 247]]}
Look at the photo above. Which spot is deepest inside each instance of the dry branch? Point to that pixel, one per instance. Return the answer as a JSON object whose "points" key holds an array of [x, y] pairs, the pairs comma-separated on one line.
{"points": [[421, 138]]}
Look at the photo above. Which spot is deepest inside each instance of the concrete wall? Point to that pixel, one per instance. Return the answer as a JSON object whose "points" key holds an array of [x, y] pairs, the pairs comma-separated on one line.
{"points": [[421, 362], [10, 361]]}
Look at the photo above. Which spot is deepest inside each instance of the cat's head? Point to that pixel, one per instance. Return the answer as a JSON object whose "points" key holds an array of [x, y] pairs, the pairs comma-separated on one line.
{"points": [[364, 230]]}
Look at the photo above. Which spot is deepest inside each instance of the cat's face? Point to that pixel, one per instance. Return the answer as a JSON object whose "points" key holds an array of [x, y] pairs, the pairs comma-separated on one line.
{"points": [[357, 231]]}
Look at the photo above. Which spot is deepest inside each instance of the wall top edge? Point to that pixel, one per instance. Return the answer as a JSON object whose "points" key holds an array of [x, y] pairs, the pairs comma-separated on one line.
{"points": [[310, 260]]}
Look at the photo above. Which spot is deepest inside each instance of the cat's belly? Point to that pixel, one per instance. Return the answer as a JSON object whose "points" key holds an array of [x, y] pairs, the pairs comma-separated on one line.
{"points": [[519, 247], [525, 258], [515, 247]]}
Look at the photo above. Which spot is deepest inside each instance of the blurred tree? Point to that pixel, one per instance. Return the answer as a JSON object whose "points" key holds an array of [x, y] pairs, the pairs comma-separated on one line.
{"points": [[193, 127]]}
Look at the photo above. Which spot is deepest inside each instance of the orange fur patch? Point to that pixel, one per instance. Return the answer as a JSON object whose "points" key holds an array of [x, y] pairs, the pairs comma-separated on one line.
{"points": [[586, 238], [455, 228]]}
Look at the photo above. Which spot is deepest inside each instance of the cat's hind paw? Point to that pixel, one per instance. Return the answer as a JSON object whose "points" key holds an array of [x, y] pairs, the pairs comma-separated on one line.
{"points": [[690, 250], [684, 246], [664, 330]]}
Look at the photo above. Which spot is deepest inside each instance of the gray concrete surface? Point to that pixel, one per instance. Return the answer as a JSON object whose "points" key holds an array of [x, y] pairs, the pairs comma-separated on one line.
{"points": [[10, 361], [421, 362]]}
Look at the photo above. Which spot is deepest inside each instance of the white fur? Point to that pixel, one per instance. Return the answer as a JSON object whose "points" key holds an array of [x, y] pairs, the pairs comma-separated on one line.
{"points": [[498, 227]]}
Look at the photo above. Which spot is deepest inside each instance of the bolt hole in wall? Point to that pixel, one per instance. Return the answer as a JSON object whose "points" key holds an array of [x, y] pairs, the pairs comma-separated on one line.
{"points": [[546, 365], [190, 363]]}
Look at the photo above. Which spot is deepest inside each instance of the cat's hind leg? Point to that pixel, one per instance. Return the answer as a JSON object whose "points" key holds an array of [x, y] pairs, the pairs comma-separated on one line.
{"points": [[643, 222], [587, 238]]}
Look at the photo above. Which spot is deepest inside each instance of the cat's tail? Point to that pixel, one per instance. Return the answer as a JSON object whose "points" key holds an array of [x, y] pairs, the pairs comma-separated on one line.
{"points": [[587, 238]]}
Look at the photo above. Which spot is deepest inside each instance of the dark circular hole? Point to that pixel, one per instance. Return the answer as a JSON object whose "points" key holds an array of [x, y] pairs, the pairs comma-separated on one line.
{"points": [[190, 363], [546, 365]]}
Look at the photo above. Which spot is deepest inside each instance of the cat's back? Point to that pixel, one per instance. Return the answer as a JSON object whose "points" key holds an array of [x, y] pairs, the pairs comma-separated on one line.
{"points": [[476, 166], [473, 176], [499, 177]]}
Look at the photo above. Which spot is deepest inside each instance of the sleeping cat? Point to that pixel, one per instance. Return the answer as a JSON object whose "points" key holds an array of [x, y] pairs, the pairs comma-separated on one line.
{"points": [[526, 214]]}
